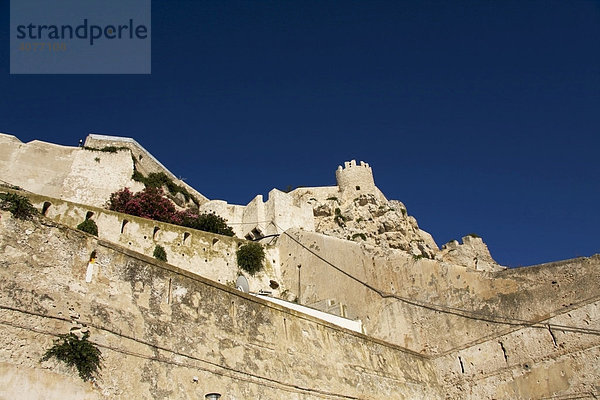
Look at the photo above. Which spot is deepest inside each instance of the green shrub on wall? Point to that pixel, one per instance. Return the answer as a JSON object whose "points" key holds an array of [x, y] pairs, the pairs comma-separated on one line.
{"points": [[80, 353], [208, 222], [250, 257], [160, 253], [19, 206], [88, 226]]}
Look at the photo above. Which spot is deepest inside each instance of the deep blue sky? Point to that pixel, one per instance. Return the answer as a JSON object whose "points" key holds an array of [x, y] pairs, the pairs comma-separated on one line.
{"points": [[480, 116]]}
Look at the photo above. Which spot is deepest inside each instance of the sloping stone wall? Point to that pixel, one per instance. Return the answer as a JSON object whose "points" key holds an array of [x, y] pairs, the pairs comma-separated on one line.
{"points": [[160, 327]]}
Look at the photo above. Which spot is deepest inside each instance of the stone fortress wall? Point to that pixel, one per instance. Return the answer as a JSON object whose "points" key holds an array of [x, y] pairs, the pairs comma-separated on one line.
{"points": [[165, 333], [145, 162], [65, 172], [456, 357], [484, 332], [206, 254]]}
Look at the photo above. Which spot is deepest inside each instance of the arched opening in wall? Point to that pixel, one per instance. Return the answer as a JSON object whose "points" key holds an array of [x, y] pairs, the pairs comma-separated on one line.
{"points": [[186, 238], [45, 208], [215, 241], [358, 188], [140, 157], [125, 222], [155, 233], [89, 215]]}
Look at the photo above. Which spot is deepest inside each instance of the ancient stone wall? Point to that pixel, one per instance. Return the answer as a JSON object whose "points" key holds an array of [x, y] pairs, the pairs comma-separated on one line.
{"points": [[145, 162], [166, 333], [70, 173], [400, 298], [206, 254]]}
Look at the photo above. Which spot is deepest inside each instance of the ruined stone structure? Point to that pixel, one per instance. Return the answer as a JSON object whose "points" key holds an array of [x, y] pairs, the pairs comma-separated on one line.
{"points": [[412, 321]]}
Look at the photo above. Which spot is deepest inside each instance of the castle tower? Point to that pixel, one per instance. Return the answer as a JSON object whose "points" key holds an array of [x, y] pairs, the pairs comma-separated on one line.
{"points": [[354, 180]]}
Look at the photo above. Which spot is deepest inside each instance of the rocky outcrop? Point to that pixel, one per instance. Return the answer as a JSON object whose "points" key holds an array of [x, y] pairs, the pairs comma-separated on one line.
{"points": [[473, 253], [373, 220]]}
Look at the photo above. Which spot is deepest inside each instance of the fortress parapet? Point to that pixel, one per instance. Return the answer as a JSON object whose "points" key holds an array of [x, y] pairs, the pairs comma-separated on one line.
{"points": [[355, 178]]}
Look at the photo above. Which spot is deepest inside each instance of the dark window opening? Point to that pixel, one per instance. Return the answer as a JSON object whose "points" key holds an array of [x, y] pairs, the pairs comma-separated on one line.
{"points": [[156, 229], [46, 207], [125, 222], [89, 215], [358, 188]]}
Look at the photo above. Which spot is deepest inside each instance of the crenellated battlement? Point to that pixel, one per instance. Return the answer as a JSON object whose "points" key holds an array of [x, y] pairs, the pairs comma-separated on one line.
{"points": [[355, 177]]}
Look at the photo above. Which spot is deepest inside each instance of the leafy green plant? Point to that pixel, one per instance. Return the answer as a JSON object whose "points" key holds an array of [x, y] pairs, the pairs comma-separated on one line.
{"points": [[19, 206], [160, 253], [208, 222], [360, 235], [417, 257], [339, 218], [88, 226], [138, 176], [80, 353], [250, 257]]}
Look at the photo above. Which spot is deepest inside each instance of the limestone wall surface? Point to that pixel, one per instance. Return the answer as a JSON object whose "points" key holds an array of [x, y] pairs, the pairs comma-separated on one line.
{"points": [[556, 358], [261, 218], [69, 173], [206, 254], [160, 327], [400, 298], [146, 163]]}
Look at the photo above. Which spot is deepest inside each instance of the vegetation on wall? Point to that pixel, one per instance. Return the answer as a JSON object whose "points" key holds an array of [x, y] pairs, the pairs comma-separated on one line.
{"points": [[19, 206], [339, 218], [80, 353], [150, 203], [106, 149], [359, 235], [208, 223], [250, 257], [159, 180], [88, 226], [160, 253]]}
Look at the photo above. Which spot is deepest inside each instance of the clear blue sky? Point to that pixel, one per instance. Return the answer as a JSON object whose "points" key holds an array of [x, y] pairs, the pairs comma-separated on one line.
{"points": [[480, 116]]}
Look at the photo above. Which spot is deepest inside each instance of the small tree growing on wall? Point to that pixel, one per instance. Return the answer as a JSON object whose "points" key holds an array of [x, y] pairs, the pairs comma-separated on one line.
{"points": [[80, 353], [250, 257], [208, 223], [88, 226], [160, 253], [19, 206]]}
